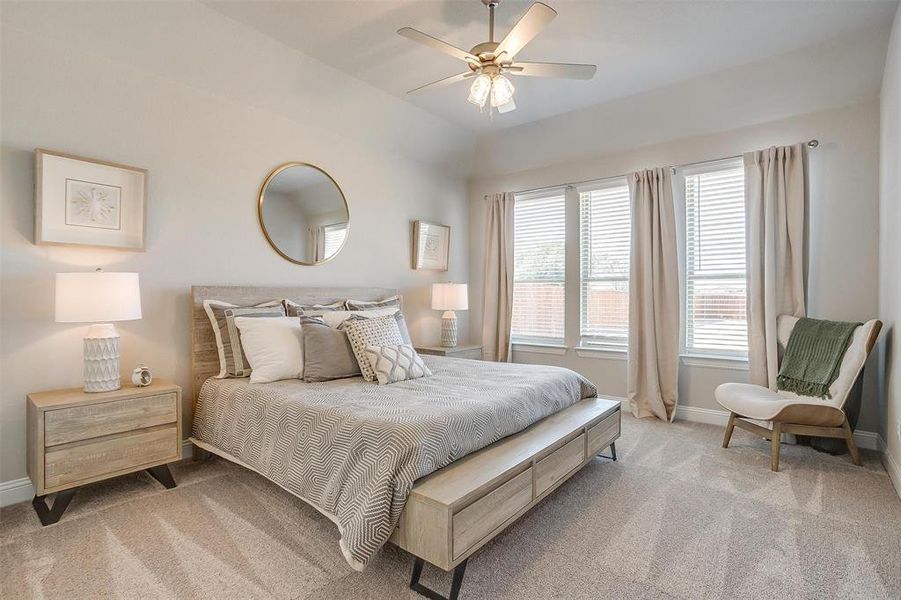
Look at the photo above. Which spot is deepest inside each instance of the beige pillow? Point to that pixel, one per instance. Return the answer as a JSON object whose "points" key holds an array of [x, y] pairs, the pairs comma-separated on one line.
{"points": [[378, 331], [273, 347]]}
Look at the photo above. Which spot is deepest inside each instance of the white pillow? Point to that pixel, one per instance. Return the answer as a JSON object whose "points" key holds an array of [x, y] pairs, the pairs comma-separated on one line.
{"points": [[273, 347], [334, 318]]}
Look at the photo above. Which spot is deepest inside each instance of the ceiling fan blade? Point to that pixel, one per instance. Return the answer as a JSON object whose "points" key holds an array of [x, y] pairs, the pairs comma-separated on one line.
{"points": [[433, 42], [530, 25], [562, 70], [444, 82]]}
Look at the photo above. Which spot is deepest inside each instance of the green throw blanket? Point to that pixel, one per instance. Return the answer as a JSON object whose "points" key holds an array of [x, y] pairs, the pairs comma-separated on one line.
{"points": [[813, 355]]}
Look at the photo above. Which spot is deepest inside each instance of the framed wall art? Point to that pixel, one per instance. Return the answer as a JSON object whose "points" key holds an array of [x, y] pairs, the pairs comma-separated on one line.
{"points": [[431, 245], [85, 202]]}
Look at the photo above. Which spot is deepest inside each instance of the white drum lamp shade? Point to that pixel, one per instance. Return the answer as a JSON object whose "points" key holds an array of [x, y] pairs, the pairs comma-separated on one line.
{"points": [[449, 297], [99, 298]]}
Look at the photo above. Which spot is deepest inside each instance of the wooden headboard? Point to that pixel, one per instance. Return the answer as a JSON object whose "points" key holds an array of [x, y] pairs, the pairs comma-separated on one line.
{"points": [[205, 357]]}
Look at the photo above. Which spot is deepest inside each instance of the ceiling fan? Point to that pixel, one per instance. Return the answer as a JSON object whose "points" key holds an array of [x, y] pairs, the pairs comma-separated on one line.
{"points": [[489, 61]]}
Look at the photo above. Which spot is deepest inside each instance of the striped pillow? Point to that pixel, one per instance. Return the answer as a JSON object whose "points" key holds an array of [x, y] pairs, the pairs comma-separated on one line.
{"points": [[232, 360]]}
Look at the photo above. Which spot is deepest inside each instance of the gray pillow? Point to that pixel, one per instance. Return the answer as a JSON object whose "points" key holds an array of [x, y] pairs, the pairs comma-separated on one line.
{"points": [[327, 352], [293, 309], [367, 305]]}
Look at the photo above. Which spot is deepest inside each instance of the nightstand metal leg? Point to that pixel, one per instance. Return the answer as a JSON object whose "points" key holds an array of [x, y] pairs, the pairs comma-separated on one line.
{"points": [[50, 515], [422, 590], [612, 452], [162, 474]]}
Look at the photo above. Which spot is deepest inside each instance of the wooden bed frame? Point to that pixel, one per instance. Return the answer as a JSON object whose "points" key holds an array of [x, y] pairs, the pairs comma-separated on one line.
{"points": [[453, 512]]}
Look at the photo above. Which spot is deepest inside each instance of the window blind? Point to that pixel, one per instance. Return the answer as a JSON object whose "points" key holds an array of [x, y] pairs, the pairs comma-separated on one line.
{"points": [[539, 241], [604, 249], [334, 237], [716, 281]]}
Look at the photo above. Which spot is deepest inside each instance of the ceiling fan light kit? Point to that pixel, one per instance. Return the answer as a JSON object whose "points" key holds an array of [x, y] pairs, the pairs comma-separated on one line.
{"points": [[489, 61]]}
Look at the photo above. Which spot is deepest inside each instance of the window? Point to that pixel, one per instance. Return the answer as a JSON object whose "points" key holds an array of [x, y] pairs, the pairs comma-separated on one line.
{"points": [[333, 238], [715, 279], [605, 223], [539, 239]]}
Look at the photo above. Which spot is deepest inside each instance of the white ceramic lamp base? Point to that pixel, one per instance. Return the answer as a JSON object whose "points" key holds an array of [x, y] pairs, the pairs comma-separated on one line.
{"points": [[449, 329], [101, 359]]}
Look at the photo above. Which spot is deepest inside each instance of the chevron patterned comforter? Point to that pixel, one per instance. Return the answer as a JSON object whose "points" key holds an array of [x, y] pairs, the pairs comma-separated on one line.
{"points": [[353, 449]]}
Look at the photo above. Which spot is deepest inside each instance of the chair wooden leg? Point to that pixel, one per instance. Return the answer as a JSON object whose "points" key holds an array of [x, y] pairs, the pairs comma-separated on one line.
{"points": [[776, 439], [852, 447], [730, 426]]}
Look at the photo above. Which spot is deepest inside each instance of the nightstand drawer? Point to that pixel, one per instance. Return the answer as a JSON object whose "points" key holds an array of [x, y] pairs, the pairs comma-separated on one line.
{"points": [[81, 461], [85, 422]]}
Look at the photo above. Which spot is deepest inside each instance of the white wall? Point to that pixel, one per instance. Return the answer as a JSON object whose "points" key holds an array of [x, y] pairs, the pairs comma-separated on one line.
{"points": [[209, 107], [843, 220], [890, 250], [839, 73]]}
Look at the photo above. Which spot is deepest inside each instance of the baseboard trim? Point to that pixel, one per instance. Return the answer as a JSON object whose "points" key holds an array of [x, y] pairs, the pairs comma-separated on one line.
{"points": [[15, 491], [21, 490], [867, 440], [891, 466]]}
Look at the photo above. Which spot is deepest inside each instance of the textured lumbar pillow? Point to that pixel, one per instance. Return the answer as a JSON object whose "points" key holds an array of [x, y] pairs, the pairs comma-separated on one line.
{"points": [[232, 360], [273, 347], [378, 331], [397, 362]]}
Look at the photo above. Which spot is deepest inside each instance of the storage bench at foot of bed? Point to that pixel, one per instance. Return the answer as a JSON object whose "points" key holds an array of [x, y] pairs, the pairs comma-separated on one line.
{"points": [[455, 511]]}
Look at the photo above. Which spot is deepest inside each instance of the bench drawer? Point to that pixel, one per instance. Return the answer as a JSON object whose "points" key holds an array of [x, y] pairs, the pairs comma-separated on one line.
{"points": [[600, 436], [72, 463], [491, 511], [555, 466], [65, 425]]}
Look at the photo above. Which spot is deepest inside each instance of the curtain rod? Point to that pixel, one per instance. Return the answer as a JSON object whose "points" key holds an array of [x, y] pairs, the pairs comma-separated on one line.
{"points": [[811, 144]]}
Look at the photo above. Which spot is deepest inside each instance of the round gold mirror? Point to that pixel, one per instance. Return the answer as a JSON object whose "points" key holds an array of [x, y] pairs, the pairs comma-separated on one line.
{"points": [[303, 213]]}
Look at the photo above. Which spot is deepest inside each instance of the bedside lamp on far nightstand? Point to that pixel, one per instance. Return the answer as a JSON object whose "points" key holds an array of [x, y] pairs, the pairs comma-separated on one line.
{"points": [[449, 297], [99, 298]]}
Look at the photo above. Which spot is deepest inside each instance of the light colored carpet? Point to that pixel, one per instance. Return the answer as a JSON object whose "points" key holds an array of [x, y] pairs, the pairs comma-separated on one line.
{"points": [[675, 517]]}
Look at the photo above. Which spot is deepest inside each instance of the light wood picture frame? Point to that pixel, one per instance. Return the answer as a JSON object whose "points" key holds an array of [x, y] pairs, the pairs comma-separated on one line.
{"points": [[82, 201], [431, 246]]}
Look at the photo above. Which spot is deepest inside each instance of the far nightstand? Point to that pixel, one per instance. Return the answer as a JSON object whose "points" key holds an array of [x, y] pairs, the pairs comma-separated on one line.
{"points": [[473, 351], [76, 438]]}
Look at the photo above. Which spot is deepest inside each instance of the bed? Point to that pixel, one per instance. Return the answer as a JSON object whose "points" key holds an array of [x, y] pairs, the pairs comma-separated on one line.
{"points": [[376, 459]]}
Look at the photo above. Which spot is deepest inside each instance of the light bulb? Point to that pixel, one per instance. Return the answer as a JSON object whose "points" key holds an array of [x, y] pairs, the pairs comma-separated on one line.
{"points": [[480, 89], [501, 91]]}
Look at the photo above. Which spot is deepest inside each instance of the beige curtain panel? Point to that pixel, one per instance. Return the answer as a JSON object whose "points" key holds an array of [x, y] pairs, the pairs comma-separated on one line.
{"points": [[776, 211], [497, 299], [654, 295]]}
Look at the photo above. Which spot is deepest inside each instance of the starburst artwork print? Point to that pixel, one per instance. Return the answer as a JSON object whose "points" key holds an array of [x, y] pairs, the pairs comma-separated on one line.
{"points": [[92, 204]]}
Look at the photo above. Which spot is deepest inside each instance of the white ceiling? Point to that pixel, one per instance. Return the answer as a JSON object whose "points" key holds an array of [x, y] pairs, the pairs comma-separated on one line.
{"points": [[638, 46]]}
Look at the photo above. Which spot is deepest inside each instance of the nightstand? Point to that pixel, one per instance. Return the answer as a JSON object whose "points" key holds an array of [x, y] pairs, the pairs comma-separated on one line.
{"points": [[473, 351], [76, 438]]}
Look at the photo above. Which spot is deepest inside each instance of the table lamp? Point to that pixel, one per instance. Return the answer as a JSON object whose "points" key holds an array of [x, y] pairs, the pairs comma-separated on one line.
{"points": [[449, 297], [99, 298]]}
